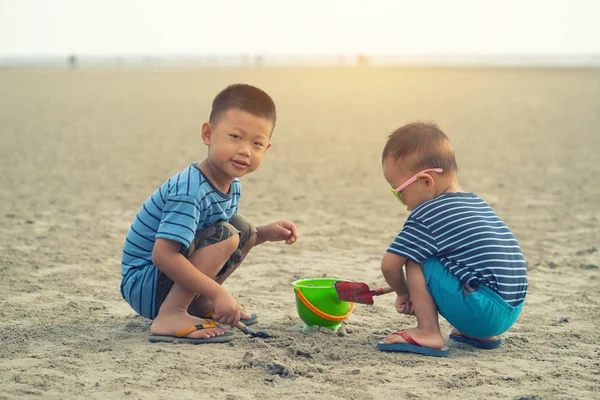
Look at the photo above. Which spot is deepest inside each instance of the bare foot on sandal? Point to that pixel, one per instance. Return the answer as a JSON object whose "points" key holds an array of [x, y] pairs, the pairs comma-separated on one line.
{"points": [[173, 323], [202, 307], [431, 340]]}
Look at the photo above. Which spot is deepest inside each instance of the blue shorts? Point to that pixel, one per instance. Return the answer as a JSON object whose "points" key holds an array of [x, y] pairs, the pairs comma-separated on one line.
{"points": [[480, 314], [145, 288]]}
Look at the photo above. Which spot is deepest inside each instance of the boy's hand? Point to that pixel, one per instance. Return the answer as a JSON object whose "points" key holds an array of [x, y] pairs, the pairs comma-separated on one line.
{"points": [[404, 305], [278, 231], [226, 311]]}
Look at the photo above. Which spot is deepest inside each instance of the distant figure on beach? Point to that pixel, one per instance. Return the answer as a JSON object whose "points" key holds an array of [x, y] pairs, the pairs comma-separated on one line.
{"points": [[245, 60], [362, 60], [72, 61], [188, 237], [454, 254]]}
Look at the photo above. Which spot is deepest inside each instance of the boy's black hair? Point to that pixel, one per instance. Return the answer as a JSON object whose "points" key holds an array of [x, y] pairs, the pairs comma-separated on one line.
{"points": [[424, 145], [244, 97]]}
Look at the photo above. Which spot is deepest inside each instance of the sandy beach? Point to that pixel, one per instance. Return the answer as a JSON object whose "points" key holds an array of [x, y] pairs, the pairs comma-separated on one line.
{"points": [[81, 150]]}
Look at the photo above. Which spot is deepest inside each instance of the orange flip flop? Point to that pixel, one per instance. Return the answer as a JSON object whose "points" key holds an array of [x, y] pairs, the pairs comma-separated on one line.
{"points": [[181, 336]]}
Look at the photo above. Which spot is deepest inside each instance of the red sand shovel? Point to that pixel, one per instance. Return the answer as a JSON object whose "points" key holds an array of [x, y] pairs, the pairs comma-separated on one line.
{"points": [[358, 292]]}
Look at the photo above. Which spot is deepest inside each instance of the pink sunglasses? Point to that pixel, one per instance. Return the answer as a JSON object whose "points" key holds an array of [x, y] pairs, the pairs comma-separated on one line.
{"points": [[411, 180]]}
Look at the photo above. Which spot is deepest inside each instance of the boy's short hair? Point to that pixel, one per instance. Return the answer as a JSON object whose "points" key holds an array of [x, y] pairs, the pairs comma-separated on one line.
{"points": [[244, 97], [422, 145]]}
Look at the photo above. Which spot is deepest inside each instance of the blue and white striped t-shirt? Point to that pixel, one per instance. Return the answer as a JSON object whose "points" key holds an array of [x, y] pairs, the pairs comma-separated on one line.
{"points": [[186, 203], [470, 240]]}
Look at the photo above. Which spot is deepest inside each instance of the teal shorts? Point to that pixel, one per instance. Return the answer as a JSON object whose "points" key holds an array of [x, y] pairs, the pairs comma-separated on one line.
{"points": [[480, 314]]}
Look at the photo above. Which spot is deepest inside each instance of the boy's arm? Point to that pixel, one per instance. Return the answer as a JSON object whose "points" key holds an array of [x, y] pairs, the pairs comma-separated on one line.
{"points": [[277, 231], [391, 267], [167, 258]]}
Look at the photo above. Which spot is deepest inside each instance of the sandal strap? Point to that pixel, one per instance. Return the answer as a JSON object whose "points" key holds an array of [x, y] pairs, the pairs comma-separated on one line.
{"points": [[194, 328], [407, 338]]}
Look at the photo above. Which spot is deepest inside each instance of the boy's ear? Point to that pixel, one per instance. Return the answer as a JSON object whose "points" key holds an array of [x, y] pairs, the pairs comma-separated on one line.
{"points": [[268, 146], [429, 182], [206, 132]]}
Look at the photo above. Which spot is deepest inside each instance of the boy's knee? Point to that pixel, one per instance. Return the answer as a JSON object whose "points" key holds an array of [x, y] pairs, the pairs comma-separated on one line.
{"points": [[231, 243], [221, 234], [246, 228], [251, 241]]}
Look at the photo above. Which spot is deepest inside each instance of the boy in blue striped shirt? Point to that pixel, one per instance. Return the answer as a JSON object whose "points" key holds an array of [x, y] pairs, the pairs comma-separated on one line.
{"points": [[454, 254], [188, 237]]}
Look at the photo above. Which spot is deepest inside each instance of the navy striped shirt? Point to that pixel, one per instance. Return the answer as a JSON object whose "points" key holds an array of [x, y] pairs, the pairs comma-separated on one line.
{"points": [[186, 203], [470, 240]]}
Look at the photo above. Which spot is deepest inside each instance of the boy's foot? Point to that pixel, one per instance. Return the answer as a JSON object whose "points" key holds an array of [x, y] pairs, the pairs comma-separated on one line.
{"points": [[404, 340], [431, 341], [481, 343], [202, 307], [172, 324], [181, 337]]}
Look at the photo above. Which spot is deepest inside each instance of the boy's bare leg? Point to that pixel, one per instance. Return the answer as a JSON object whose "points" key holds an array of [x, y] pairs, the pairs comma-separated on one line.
{"points": [[427, 332], [202, 305], [173, 315]]}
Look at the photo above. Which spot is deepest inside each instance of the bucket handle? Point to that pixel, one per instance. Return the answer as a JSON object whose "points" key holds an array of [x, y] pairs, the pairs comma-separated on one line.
{"points": [[318, 312]]}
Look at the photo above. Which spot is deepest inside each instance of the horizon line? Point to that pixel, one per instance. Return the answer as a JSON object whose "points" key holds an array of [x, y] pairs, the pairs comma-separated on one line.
{"points": [[271, 60]]}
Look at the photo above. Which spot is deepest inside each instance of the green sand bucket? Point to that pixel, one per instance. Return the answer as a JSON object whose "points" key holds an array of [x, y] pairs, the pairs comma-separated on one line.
{"points": [[317, 303]]}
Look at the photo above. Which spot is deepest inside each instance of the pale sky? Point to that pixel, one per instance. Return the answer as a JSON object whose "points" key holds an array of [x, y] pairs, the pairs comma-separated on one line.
{"points": [[306, 27]]}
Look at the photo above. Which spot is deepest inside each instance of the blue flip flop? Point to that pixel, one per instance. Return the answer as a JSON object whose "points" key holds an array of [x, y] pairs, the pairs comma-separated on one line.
{"points": [[480, 344], [412, 346], [250, 321]]}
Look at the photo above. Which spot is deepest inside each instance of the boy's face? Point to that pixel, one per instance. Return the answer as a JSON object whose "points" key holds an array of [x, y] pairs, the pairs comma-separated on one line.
{"points": [[237, 142], [420, 191]]}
